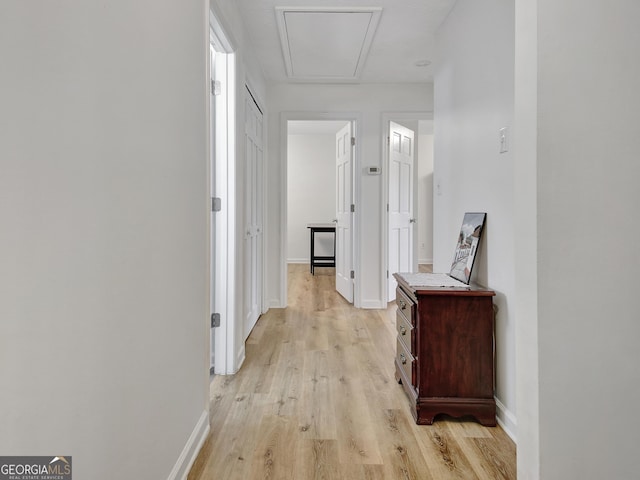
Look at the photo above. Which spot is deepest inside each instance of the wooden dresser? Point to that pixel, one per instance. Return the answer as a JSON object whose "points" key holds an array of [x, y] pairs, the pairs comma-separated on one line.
{"points": [[445, 351]]}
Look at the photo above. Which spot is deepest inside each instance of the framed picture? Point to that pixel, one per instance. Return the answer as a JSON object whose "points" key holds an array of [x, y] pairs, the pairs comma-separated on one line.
{"points": [[467, 246]]}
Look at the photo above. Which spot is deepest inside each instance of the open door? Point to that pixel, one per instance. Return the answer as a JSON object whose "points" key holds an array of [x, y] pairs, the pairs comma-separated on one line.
{"points": [[401, 219], [344, 212]]}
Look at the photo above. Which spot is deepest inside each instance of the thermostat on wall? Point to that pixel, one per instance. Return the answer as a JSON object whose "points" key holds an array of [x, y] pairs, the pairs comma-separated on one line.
{"points": [[373, 170]]}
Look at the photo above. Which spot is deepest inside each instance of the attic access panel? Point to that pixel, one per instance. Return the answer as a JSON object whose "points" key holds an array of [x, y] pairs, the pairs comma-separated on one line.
{"points": [[326, 44]]}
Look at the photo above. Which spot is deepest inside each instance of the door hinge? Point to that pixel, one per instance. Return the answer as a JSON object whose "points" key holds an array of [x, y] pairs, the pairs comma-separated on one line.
{"points": [[388, 140], [387, 207], [387, 273], [216, 87], [353, 208], [353, 141], [215, 320], [216, 204], [353, 274]]}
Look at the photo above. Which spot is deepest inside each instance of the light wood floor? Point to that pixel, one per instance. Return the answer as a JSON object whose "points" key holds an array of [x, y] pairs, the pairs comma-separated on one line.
{"points": [[316, 399]]}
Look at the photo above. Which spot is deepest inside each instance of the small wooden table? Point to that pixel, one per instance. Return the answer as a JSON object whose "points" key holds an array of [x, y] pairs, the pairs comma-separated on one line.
{"points": [[322, 260]]}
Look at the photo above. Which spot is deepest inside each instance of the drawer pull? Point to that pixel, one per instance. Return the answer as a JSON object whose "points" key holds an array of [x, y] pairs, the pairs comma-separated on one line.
{"points": [[403, 359], [403, 305], [403, 331]]}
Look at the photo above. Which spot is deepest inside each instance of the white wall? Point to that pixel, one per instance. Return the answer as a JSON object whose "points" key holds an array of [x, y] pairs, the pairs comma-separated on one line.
{"points": [[104, 302], [369, 101], [575, 178], [424, 205], [588, 171], [474, 94], [525, 302], [311, 196]]}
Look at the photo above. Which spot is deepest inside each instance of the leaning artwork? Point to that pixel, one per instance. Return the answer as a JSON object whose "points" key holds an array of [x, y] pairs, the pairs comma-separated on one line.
{"points": [[467, 246]]}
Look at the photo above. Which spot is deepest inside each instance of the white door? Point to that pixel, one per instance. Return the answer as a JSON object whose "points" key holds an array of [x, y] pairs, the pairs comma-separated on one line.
{"points": [[344, 215], [253, 214], [401, 220]]}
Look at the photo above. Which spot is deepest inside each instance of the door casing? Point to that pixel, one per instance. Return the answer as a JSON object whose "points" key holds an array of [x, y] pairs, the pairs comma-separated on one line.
{"points": [[222, 231]]}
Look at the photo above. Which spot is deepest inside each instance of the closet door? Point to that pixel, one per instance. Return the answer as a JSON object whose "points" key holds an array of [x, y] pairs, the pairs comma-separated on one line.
{"points": [[253, 214]]}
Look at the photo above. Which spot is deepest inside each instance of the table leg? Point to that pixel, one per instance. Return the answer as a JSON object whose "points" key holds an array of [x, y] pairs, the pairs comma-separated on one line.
{"points": [[312, 232]]}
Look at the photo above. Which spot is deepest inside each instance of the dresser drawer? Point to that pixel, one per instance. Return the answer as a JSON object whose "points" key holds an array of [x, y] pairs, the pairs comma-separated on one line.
{"points": [[406, 306], [406, 362], [406, 333]]}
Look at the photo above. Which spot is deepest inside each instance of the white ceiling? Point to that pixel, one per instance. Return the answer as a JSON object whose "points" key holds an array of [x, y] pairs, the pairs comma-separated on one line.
{"points": [[405, 35]]}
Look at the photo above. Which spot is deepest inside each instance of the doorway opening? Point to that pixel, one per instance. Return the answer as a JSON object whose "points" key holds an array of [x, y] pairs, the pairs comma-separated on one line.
{"points": [[320, 188]]}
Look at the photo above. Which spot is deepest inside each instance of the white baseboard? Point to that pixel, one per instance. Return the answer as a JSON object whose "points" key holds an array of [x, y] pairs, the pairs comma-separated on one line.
{"points": [[507, 420], [372, 304], [298, 260], [425, 261], [191, 449], [240, 357], [274, 303]]}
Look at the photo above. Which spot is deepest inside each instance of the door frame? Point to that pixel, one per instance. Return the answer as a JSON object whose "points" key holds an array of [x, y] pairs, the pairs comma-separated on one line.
{"points": [[222, 164], [386, 118], [356, 119]]}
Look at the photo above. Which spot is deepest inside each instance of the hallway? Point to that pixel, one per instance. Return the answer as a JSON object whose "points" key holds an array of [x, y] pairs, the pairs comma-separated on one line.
{"points": [[316, 398]]}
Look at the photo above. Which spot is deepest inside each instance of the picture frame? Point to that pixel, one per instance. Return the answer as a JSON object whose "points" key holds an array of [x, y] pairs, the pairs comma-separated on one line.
{"points": [[467, 246]]}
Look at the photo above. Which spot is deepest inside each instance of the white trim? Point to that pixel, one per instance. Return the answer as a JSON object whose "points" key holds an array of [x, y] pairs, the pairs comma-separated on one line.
{"points": [[356, 119], [180, 470], [274, 303], [223, 34], [211, 242], [507, 420], [225, 176], [423, 261], [297, 260], [241, 356], [373, 304], [230, 320], [387, 117]]}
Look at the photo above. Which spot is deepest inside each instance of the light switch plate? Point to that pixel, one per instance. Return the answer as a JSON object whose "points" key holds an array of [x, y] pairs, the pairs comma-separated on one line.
{"points": [[504, 139]]}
